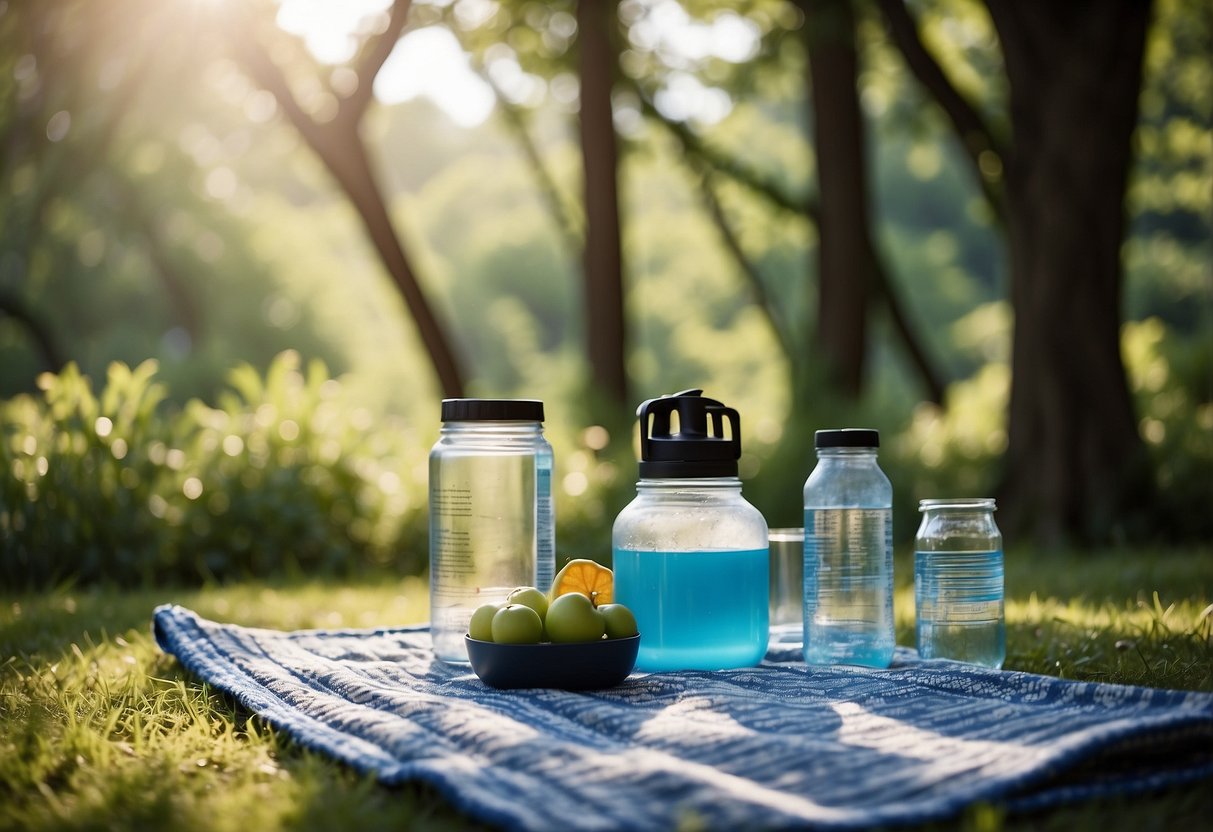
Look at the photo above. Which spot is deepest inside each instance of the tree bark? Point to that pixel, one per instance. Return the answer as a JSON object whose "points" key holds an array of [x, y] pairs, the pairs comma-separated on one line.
{"points": [[603, 260], [351, 167], [1075, 465], [843, 237]]}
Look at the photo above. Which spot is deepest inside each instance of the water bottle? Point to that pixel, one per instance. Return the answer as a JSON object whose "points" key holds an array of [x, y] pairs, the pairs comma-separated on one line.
{"points": [[848, 553], [491, 523], [958, 583], [690, 554]]}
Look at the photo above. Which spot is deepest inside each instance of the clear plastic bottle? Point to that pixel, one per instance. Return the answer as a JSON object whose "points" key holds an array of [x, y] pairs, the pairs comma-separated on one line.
{"points": [[690, 554], [491, 518], [958, 582], [848, 553]]}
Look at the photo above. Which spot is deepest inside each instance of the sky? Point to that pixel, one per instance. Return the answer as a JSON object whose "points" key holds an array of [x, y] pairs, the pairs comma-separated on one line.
{"points": [[429, 61]]}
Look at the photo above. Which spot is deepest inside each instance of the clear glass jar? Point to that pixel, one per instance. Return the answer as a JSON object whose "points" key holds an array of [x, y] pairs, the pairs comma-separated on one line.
{"points": [[691, 562], [787, 577], [958, 582], [491, 519], [848, 553]]}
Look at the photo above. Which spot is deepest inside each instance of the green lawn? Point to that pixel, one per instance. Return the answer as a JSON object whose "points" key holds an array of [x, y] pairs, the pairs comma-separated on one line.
{"points": [[99, 730]]}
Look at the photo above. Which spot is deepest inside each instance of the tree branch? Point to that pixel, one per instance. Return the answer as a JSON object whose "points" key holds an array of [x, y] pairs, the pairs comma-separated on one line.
{"points": [[975, 135], [269, 76], [571, 224], [707, 163], [39, 331], [748, 270], [371, 59], [692, 144], [879, 277], [706, 158], [177, 286], [341, 150]]}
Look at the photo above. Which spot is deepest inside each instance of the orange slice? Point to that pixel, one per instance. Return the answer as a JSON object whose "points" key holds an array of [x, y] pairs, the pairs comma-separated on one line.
{"points": [[588, 577]]}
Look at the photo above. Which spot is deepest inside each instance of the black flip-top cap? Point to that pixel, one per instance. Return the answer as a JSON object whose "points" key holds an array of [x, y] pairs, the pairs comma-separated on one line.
{"points": [[492, 410], [698, 448], [847, 438]]}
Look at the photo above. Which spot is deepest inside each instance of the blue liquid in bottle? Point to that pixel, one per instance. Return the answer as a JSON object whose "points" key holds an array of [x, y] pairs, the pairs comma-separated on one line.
{"points": [[699, 610], [690, 554]]}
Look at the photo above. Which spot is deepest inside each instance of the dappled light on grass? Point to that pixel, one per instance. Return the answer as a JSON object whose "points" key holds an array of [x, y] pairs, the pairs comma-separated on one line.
{"points": [[99, 727], [1142, 617], [43, 624], [1140, 641]]}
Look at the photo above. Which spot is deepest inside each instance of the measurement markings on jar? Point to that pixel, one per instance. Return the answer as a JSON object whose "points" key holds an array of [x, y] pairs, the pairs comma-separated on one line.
{"points": [[452, 502]]}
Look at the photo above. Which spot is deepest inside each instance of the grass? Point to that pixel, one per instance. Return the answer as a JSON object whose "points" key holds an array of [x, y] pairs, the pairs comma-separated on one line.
{"points": [[100, 730]]}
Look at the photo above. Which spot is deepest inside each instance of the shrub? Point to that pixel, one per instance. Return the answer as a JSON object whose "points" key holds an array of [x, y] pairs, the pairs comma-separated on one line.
{"points": [[283, 476]]}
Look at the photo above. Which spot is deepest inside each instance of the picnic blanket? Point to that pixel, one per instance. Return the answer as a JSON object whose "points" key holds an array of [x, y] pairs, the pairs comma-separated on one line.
{"points": [[778, 745]]}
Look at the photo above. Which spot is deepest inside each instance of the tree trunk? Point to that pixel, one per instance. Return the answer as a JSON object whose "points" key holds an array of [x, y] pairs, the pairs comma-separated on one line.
{"points": [[339, 145], [347, 161], [705, 162], [603, 261], [844, 244], [1076, 466]]}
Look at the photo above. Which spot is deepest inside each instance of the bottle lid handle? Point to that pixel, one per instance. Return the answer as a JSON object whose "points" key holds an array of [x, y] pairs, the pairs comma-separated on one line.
{"points": [[700, 419]]}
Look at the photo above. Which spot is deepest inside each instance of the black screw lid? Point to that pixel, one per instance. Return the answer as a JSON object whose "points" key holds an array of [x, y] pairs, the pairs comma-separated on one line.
{"points": [[699, 448], [847, 438], [492, 410]]}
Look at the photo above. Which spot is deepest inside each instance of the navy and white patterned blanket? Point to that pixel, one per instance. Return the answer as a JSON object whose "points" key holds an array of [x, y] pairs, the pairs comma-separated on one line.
{"points": [[778, 745]]}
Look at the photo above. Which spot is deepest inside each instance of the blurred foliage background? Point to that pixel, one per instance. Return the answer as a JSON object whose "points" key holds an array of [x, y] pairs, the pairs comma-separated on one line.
{"points": [[205, 373]]}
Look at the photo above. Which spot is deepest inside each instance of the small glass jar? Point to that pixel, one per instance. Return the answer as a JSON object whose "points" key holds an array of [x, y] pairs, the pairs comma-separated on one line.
{"points": [[491, 519], [958, 582]]}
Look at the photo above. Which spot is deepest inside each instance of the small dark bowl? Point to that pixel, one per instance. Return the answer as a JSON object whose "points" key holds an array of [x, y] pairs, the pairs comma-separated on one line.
{"points": [[589, 665]]}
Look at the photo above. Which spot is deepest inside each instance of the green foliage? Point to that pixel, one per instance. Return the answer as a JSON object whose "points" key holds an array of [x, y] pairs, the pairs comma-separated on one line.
{"points": [[1169, 189], [1172, 382], [930, 451], [77, 480], [283, 477], [954, 451], [521, 314], [124, 229], [178, 165]]}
